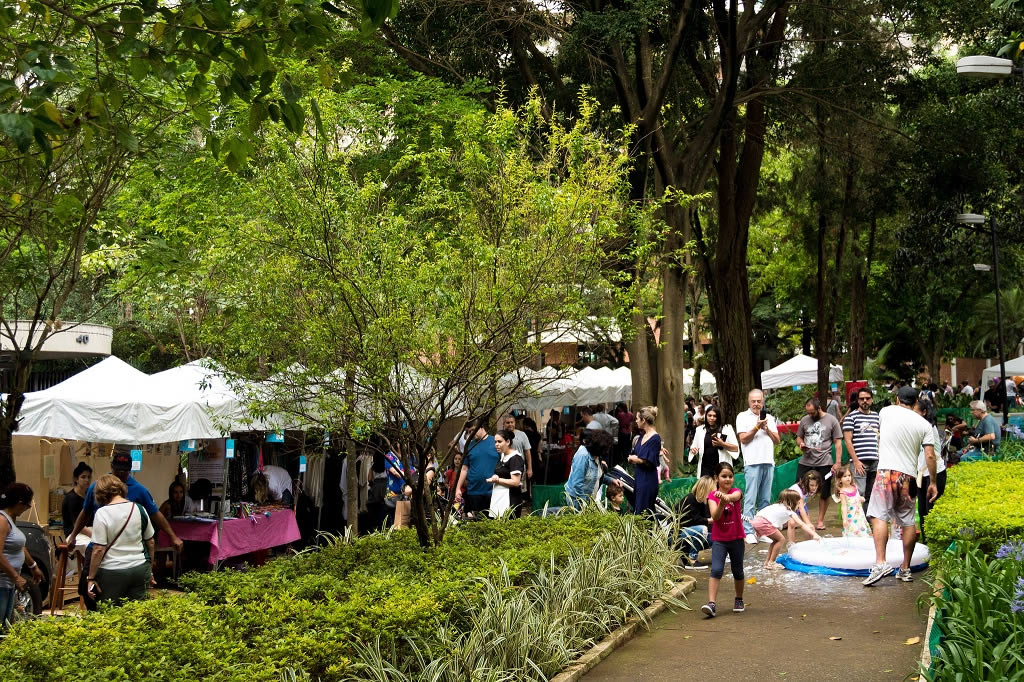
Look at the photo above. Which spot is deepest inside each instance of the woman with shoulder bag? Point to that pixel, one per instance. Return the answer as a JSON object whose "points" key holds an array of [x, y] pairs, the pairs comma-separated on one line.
{"points": [[122, 537]]}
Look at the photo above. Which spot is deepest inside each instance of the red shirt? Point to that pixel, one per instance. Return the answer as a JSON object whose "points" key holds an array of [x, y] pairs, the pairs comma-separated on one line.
{"points": [[728, 526]]}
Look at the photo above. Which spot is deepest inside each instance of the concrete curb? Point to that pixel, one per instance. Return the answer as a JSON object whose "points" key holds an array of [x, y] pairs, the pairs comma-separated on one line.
{"points": [[616, 639], [926, 651]]}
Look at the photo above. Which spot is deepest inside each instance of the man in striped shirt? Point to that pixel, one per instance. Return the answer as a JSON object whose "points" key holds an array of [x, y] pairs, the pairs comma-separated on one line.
{"points": [[860, 431]]}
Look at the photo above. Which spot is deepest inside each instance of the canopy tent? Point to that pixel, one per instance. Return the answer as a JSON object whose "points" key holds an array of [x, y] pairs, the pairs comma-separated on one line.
{"points": [[112, 402], [797, 371], [1014, 368], [708, 384], [549, 387]]}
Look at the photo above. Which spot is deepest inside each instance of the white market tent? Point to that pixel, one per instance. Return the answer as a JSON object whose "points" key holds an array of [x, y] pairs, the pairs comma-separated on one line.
{"points": [[549, 387], [112, 402], [799, 370], [708, 384], [1014, 367]]}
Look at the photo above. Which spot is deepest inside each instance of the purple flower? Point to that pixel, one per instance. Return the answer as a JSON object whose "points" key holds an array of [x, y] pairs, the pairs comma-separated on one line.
{"points": [[967, 532], [1013, 550], [1017, 605]]}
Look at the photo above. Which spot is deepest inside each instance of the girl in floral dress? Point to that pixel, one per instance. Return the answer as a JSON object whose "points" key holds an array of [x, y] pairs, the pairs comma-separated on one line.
{"points": [[851, 506]]}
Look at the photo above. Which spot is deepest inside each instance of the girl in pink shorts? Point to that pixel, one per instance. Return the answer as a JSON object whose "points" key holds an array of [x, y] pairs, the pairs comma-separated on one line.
{"points": [[770, 521]]}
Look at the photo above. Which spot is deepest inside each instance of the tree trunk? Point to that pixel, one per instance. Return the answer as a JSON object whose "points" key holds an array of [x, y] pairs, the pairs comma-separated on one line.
{"points": [[9, 420], [671, 400], [822, 337], [643, 362], [859, 302]]}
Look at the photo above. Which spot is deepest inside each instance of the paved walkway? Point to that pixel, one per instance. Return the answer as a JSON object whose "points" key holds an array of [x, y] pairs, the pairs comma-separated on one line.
{"points": [[784, 633]]}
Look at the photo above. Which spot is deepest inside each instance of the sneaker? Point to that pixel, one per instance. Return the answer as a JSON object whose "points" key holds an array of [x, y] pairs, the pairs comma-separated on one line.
{"points": [[696, 566], [766, 539], [737, 606], [708, 609], [750, 539], [878, 571], [904, 575]]}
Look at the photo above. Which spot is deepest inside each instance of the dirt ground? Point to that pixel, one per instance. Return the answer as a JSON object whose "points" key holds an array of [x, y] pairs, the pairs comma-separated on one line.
{"points": [[785, 632]]}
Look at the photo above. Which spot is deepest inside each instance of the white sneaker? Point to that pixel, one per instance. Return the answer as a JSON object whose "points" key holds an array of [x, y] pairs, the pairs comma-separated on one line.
{"points": [[878, 571], [750, 539], [766, 539]]}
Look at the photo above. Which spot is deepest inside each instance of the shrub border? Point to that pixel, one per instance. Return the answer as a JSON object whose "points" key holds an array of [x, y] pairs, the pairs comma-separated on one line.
{"points": [[600, 651]]}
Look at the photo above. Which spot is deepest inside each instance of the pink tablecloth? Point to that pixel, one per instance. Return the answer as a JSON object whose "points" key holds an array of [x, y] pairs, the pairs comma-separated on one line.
{"points": [[240, 536]]}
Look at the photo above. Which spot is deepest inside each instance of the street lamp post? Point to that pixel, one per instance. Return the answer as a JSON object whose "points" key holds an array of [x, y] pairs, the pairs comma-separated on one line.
{"points": [[986, 67], [976, 219]]}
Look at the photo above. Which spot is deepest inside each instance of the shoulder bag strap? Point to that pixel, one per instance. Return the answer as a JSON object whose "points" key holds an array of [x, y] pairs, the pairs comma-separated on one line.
{"points": [[114, 541]]}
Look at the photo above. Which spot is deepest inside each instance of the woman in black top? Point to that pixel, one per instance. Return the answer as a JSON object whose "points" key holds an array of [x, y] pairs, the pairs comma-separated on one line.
{"points": [[74, 499], [508, 474]]}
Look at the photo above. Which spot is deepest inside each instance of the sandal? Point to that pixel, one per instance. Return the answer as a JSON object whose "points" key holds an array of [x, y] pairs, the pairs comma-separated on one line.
{"points": [[820, 526]]}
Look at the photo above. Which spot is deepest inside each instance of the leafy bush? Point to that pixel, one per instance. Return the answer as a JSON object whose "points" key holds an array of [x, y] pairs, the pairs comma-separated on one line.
{"points": [[303, 613], [980, 615], [983, 502], [534, 632], [1010, 450], [787, 405], [787, 450]]}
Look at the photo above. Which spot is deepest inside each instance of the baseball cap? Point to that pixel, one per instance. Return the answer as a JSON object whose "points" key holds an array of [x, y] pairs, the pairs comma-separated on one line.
{"points": [[907, 395], [121, 460]]}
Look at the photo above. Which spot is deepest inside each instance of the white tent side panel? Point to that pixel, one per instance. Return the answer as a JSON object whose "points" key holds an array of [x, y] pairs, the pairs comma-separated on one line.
{"points": [[1014, 367]]}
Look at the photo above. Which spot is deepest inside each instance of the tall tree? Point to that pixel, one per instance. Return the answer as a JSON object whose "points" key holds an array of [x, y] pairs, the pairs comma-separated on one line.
{"points": [[687, 80]]}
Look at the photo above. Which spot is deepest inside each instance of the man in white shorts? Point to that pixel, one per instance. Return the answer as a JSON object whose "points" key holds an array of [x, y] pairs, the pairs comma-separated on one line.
{"points": [[902, 433]]}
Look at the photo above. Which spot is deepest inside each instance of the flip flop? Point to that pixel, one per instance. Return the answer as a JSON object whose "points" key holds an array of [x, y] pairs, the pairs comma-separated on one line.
{"points": [[820, 527]]}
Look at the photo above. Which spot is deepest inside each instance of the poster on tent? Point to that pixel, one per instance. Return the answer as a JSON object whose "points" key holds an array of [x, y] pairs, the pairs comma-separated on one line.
{"points": [[207, 462]]}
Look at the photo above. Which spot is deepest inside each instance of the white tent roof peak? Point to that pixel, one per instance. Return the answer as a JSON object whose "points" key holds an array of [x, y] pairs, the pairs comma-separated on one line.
{"points": [[797, 371]]}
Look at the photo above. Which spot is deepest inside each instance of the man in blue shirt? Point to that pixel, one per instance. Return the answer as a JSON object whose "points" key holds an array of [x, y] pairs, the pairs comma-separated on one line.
{"points": [[986, 434], [477, 466], [121, 466]]}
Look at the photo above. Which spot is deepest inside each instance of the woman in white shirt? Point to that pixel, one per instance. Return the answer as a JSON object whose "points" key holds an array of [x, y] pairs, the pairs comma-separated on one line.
{"points": [[122, 538], [715, 436]]}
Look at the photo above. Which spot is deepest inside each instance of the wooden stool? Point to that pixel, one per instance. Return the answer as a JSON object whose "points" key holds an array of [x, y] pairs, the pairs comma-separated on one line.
{"points": [[60, 580], [175, 560]]}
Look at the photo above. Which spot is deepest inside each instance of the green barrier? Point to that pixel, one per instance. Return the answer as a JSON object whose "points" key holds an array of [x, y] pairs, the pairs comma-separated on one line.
{"points": [[785, 476], [962, 412], [672, 491]]}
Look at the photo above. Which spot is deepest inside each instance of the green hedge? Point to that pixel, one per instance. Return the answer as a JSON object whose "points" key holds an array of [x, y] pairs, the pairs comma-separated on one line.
{"points": [[304, 612], [983, 502]]}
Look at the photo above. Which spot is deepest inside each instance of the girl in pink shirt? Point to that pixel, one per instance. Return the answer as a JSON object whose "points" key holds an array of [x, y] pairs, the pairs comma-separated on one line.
{"points": [[727, 535]]}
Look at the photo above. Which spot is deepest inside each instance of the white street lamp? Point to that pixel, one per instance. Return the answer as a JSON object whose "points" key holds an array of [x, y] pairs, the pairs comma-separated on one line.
{"points": [[978, 219], [985, 67]]}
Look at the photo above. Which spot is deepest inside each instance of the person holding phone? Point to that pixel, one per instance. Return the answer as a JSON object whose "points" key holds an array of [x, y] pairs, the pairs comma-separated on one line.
{"points": [[758, 435], [716, 440]]}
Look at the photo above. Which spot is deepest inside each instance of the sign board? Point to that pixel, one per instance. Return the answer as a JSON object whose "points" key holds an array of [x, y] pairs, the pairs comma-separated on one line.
{"points": [[302, 464], [275, 437], [136, 460], [229, 448]]}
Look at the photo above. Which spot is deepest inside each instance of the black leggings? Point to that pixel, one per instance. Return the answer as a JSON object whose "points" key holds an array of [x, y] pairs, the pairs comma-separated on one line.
{"points": [[735, 549], [923, 506]]}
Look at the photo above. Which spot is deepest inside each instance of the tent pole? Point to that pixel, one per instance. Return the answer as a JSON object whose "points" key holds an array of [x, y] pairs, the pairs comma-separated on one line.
{"points": [[223, 503]]}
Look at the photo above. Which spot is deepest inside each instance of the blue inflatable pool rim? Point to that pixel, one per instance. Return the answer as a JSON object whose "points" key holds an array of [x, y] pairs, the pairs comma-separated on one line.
{"points": [[794, 565]]}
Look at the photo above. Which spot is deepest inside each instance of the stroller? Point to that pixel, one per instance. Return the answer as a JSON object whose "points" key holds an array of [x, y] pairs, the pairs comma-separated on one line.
{"points": [[662, 511]]}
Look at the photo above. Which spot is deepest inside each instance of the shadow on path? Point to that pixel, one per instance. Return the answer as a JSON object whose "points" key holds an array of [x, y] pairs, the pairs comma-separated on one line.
{"points": [[784, 633]]}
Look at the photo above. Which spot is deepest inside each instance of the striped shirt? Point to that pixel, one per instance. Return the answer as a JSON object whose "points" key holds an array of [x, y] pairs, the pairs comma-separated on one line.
{"points": [[865, 433]]}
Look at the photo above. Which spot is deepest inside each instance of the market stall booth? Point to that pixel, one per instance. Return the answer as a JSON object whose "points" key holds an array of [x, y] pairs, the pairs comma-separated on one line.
{"points": [[187, 409]]}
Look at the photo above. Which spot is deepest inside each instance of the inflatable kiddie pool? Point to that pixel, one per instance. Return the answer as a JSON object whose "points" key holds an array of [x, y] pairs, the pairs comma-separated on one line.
{"points": [[848, 556]]}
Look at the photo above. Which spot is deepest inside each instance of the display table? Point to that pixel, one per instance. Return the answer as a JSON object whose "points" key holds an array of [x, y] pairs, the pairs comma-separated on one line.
{"points": [[239, 536]]}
